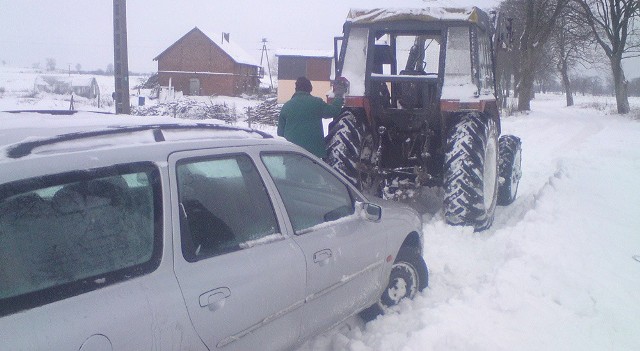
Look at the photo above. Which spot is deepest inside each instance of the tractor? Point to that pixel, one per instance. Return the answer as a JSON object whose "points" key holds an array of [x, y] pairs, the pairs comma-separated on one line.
{"points": [[421, 110]]}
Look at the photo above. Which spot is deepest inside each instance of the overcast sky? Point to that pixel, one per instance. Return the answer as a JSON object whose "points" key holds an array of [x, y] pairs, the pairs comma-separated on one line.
{"points": [[81, 31]]}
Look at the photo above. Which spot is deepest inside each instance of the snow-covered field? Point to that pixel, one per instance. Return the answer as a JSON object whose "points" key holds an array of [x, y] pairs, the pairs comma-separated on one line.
{"points": [[558, 270], [560, 267]]}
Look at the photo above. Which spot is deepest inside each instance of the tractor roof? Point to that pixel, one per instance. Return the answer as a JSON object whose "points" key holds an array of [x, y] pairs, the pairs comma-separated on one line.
{"points": [[428, 14]]}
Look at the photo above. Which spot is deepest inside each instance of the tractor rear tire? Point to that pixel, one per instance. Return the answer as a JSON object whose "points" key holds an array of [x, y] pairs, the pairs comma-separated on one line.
{"points": [[471, 172], [350, 150], [509, 171]]}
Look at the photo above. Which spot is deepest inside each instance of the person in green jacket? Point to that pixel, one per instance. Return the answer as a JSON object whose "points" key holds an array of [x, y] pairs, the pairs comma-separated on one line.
{"points": [[300, 119]]}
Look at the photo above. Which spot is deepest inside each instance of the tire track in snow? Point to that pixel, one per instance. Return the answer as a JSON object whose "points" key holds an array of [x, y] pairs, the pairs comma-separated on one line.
{"points": [[510, 271]]}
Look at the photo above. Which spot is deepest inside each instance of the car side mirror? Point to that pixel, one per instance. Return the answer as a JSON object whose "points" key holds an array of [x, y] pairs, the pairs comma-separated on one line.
{"points": [[372, 212]]}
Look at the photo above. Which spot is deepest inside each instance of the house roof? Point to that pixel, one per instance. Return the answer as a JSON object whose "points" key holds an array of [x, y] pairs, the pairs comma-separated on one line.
{"points": [[305, 53], [234, 51], [427, 14]]}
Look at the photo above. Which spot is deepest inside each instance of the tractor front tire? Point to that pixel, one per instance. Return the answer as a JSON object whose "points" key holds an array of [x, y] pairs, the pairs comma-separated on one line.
{"points": [[509, 171], [471, 172]]}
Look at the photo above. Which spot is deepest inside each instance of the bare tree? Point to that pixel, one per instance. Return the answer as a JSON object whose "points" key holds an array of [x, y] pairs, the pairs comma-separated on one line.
{"points": [[545, 73], [51, 64], [571, 44], [506, 52], [612, 23], [539, 22]]}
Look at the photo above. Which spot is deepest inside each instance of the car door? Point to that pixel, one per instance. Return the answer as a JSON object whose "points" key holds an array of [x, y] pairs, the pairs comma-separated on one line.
{"points": [[242, 279], [344, 251]]}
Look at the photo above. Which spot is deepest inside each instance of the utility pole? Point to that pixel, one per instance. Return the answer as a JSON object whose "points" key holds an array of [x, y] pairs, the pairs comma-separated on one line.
{"points": [[120, 55], [265, 54]]}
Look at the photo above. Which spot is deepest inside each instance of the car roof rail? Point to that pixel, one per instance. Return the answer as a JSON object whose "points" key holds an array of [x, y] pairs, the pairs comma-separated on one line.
{"points": [[25, 148]]}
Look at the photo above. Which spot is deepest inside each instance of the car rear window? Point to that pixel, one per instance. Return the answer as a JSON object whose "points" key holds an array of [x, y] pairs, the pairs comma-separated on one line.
{"points": [[65, 234]]}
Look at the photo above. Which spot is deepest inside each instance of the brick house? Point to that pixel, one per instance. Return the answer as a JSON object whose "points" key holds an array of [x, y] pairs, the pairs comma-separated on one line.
{"points": [[197, 64], [314, 64]]}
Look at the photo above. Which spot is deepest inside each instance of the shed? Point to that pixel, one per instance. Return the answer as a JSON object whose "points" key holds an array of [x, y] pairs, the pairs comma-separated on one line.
{"points": [[314, 64], [199, 64], [80, 85], [85, 86]]}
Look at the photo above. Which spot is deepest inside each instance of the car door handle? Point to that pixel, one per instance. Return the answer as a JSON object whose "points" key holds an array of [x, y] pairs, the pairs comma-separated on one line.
{"points": [[322, 257], [214, 299]]}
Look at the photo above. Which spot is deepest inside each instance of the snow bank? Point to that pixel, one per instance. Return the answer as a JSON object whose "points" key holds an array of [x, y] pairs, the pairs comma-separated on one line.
{"points": [[555, 272]]}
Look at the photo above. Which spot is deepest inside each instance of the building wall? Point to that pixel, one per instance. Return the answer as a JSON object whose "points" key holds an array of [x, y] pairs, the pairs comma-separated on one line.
{"points": [[316, 69], [209, 84], [195, 56]]}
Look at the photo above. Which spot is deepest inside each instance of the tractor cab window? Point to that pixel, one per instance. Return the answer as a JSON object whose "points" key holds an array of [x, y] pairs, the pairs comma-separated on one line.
{"points": [[405, 69], [406, 54], [458, 79], [485, 64], [418, 53], [355, 58]]}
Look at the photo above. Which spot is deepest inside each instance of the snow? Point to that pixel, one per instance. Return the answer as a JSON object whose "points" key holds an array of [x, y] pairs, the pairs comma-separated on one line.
{"points": [[465, 92], [237, 53], [265, 240], [421, 14], [556, 271], [559, 268], [304, 53]]}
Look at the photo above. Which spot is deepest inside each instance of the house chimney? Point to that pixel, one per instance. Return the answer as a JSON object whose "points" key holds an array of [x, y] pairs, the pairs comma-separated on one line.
{"points": [[225, 36]]}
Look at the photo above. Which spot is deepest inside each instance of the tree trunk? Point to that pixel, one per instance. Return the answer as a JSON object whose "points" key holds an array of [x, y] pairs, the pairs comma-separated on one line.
{"points": [[527, 77], [620, 83], [566, 83], [527, 67]]}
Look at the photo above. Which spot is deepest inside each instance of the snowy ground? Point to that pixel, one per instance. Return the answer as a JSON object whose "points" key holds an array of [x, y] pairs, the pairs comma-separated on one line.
{"points": [[558, 270]]}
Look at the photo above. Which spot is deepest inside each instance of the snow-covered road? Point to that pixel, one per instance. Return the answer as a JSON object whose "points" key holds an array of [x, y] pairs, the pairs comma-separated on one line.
{"points": [[556, 271]]}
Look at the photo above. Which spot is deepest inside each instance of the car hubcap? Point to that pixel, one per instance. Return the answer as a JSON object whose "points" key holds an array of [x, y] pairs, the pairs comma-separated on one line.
{"points": [[404, 283]]}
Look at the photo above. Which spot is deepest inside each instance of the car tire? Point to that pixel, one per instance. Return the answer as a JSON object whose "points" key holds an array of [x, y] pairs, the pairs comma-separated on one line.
{"points": [[351, 151], [471, 172], [509, 168], [409, 275]]}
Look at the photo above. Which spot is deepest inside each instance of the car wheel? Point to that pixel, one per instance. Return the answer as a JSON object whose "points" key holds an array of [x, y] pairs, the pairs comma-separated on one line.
{"points": [[409, 275]]}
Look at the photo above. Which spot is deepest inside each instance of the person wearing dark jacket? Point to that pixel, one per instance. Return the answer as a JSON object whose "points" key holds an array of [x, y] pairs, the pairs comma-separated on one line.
{"points": [[300, 119]]}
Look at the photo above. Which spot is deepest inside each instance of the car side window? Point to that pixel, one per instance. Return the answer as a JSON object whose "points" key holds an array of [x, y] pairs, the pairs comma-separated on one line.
{"points": [[65, 234], [312, 195], [224, 206]]}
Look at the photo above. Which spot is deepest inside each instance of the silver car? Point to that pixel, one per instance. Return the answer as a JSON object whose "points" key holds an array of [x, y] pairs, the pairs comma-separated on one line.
{"points": [[189, 237]]}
